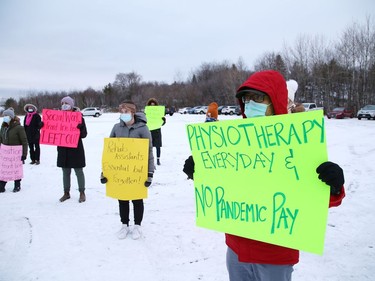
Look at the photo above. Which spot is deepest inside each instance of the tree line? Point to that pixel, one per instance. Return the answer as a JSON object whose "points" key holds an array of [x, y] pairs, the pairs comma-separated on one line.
{"points": [[331, 74]]}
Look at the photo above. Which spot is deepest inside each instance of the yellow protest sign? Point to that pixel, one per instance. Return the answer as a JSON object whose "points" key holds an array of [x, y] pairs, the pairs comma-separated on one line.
{"points": [[154, 115], [256, 178], [125, 165]]}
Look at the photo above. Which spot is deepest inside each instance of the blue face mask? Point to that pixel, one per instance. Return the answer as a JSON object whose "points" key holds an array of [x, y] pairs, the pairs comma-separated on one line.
{"points": [[255, 109], [126, 117], [6, 119], [66, 106]]}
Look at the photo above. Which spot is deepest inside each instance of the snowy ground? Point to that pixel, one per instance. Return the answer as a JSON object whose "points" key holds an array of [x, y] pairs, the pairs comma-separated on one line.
{"points": [[43, 239]]}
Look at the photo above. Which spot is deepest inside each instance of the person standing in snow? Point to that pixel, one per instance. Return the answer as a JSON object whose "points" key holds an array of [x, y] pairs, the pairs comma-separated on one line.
{"points": [[156, 134], [265, 94], [32, 124], [69, 158], [212, 112], [132, 125], [12, 133]]}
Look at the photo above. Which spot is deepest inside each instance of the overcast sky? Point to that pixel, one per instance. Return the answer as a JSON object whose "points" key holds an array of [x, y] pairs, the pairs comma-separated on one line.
{"points": [[75, 44]]}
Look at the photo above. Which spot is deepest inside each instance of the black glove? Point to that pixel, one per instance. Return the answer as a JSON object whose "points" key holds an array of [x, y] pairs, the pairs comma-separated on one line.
{"points": [[164, 120], [332, 175], [189, 167], [103, 179], [149, 180], [23, 158], [41, 124], [79, 126]]}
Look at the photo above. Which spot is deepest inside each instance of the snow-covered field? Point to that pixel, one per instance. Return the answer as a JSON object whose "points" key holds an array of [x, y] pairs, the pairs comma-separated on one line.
{"points": [[43, 239]]}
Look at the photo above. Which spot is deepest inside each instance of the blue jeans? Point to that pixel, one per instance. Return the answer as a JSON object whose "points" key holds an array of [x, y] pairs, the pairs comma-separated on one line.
{"points": [[243, 271]]}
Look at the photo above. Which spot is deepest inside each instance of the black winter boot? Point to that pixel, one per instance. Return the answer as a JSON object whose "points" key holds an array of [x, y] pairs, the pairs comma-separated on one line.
{"points": [[17, 186], [2, 186]]}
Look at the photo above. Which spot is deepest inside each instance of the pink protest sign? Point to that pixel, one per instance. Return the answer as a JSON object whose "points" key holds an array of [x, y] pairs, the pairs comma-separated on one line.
{"points": [[11, 167], [60, 128]]}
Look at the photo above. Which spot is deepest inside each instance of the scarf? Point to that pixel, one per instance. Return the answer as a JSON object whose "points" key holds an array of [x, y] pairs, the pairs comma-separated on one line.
{"points": [[29, 116]]}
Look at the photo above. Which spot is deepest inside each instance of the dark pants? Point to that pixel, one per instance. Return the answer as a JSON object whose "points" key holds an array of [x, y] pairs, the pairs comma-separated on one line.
{"points": [[34, 151], [80, 178], [138, 209], [158, 151]]}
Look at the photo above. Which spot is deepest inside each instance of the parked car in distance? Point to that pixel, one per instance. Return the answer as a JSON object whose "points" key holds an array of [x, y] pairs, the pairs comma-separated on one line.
{"points": [[170, 110], [229, 110], [220, 108], [191, 110], [340, 113], [91, 111], [200, 109], [310, 106], [367, 111], [184, 110]]}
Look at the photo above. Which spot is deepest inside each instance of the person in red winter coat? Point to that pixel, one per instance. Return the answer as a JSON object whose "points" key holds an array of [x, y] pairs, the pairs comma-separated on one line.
{"points": [[264, 94]]}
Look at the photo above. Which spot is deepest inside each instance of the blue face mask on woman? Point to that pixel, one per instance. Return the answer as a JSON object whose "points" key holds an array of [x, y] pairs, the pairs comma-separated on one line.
{"points": [[255, 109], [126, 117], [66, 106], [7, 119]]}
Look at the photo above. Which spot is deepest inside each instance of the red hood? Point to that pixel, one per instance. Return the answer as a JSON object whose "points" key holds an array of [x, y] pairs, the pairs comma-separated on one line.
{"points": [[273, 84]]}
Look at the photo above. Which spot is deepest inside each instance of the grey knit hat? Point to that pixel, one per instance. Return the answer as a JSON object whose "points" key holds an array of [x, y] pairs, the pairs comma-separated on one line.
{"points": [[68, 100], [9, 112]]}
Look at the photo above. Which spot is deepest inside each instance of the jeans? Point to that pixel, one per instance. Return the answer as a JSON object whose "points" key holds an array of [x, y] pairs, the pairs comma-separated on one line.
{"points": [[243, 271]]}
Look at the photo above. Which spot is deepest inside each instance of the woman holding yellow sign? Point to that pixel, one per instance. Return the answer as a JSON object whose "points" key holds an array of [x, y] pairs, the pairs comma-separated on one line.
{"points": [[132, 125]]}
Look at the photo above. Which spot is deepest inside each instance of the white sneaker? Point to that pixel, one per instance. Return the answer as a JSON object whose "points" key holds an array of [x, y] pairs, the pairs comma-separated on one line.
{"points": [[136, 233], [123, 232]]}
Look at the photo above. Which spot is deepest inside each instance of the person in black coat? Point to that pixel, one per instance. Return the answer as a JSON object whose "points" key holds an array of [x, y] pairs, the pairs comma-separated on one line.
{"points": [[69, 158], [32, 124], [156, 134]]}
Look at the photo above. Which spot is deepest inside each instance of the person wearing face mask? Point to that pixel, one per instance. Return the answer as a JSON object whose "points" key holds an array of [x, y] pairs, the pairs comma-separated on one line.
{"points": [[12, 133], [69, 158], [132, 125], [263, 94], [32, 124]]}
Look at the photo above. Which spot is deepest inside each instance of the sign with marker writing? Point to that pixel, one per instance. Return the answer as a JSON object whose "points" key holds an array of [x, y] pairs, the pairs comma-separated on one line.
{"points": [[11, 166], [125, 165], [154, 115], [60, 127], [256, 178]]}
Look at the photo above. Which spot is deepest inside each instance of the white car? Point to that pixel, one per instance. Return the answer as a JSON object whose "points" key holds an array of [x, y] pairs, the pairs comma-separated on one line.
{"points": [[201, 110], [184, 110], [91, 111], [229, 110], [367, 111]]}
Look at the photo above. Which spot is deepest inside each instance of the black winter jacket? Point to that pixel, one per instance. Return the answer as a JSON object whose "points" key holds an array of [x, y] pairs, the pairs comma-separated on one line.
{"points": [[33, 129], [68, 157]]}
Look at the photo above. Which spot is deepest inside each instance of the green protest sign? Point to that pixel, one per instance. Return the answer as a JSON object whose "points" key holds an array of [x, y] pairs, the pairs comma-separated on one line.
{"points": [[154, 115], [256, 178]]}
